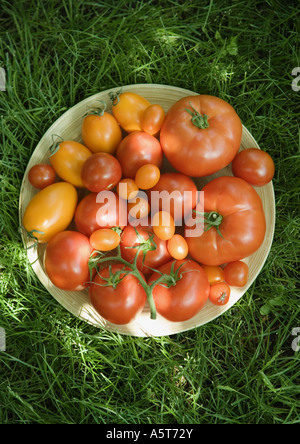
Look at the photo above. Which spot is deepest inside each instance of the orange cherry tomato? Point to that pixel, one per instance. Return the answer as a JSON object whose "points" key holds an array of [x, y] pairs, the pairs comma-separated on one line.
{"points": [[127, 189], [214, 273], [147, 176], [152, 119], [219, 293], [104, 239], [50, 211], [68, 161], [236, 273], [163, 225], [101, 133], [138, 208], [178, 247], [128, 108]]}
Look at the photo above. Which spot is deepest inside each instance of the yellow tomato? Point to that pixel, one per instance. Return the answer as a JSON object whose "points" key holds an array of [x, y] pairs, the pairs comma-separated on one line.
{"points": [[101, 133], [128, 108], [68, 161], [50, 211]]}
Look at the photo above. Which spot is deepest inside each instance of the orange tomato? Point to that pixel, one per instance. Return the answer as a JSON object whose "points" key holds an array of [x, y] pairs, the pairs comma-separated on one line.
{"points": [[104, 239], [101, 133], [50, 211], [147, 176], [128, 108], [138, 208], [68, 161], [152, 119], [127, 189], [163, 225], [178, 247], [214, 273]]}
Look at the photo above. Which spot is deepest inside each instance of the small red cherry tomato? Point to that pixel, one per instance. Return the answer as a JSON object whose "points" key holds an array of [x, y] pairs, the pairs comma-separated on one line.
{"points": [[41, 175], [219, 293], [236, 273]]}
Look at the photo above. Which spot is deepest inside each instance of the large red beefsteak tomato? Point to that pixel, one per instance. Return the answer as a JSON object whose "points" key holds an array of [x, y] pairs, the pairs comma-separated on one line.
{"points": [[234, 222], [200, 135]]}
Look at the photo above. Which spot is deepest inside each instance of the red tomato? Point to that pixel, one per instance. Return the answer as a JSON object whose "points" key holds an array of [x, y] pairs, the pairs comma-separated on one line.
{"points": [[152, 119], [175, 193], [181, 299], [154, 251], [201, 134], [219, 293], [101, 171], [214, 273], [92, 214], [120, 299], [178, 247], [101, 133], [237, 222], [254, 165], [236, 273], [137, 149], [66, 260], [128, 108], [41, 175]]}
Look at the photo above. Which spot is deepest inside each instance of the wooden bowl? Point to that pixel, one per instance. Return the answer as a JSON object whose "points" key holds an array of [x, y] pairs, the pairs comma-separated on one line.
{"points": [[68, 126]]}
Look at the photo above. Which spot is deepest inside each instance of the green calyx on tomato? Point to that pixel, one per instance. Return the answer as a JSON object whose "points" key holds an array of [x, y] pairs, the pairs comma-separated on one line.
{"points": [[211, 219], [171, 279], [199, 120]]}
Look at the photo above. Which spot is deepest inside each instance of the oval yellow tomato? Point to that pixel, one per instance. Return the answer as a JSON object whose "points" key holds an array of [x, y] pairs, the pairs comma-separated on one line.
{"points": [[128, 108], [50, 211], [68, 161], [101, 133]]}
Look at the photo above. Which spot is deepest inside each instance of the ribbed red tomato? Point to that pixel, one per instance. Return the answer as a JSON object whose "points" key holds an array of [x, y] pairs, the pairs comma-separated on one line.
{"points": [[200, 135], [235, 223]]}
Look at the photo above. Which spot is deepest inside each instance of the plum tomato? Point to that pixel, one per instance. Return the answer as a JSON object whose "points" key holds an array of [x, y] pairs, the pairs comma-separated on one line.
{"points": [[163, 225], [68, 160], [128, 109], [147, 176], [41, 175], [236, 273], [105, 239], [100, 172], [152, 119], [254, 165], [178, 247]]}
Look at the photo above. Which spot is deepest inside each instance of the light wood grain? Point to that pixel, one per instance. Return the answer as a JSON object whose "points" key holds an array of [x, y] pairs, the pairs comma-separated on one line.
{"points": [[68, 126]]}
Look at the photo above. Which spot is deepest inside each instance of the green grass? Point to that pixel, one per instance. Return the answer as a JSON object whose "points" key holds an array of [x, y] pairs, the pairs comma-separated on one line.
{"points": [[240, 368]]}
